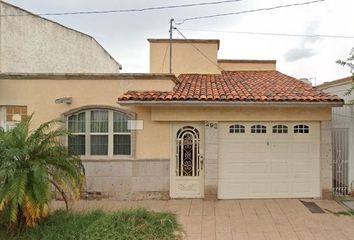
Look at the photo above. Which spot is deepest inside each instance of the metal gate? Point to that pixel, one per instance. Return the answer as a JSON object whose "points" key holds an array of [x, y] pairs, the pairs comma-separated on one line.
{"points": [[340, 153]]}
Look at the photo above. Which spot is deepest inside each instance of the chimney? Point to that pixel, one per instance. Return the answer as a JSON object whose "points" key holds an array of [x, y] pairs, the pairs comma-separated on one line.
{"points": [[188, 56]]}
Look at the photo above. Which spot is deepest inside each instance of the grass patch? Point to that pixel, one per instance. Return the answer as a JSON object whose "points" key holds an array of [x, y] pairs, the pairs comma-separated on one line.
{"points": [[345, 213], [99, 225]]}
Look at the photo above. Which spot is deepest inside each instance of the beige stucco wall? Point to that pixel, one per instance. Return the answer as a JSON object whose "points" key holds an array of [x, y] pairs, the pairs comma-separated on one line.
{"points": [[39, 95], [241, 113], [186, 58], [147, 176], [31, 44], [153, 142], [229, 65]]}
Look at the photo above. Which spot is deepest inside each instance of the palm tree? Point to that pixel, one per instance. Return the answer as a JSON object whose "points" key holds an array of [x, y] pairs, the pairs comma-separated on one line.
{"points": [[32, 165]]}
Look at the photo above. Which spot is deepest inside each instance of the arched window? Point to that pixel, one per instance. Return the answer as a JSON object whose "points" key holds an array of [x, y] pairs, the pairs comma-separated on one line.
{"points": [[301, 128], [258, 129], [280, 129], [237, 128], [100, 132]]}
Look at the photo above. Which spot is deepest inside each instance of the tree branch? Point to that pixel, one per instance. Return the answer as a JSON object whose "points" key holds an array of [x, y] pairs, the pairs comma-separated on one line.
{"points": [[61, 192]]}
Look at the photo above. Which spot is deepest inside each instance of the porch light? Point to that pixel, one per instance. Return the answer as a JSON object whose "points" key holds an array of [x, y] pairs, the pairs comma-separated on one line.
{"points": [[67, 100]]}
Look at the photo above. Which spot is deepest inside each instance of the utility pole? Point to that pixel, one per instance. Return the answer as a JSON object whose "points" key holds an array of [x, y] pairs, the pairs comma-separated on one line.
{"points": [[171, 31]]}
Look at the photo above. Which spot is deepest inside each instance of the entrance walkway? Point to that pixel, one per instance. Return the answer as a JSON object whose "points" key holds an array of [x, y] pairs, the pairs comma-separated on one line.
{"points": [[271, 219]]}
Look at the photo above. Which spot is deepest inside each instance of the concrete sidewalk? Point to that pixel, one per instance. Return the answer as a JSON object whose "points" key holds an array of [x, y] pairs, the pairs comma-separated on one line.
{"points": [[244, 219]]}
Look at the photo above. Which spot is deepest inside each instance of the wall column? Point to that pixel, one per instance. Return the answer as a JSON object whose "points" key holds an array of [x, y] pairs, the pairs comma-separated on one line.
{"points": [[211, 159], [326, 160]]}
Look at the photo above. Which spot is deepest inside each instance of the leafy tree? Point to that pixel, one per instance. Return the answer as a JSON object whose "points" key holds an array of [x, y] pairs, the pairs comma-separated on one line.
{"points": [[32, 164], [350, 64]]}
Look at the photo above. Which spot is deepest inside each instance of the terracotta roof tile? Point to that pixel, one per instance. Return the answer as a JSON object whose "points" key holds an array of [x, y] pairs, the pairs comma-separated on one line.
{"points": [[256, 86]]}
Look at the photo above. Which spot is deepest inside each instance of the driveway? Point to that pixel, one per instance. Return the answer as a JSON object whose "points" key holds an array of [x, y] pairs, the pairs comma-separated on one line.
{"points": [[245, 219]]}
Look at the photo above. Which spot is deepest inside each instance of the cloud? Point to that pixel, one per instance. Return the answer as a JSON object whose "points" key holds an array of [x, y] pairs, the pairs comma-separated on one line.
{"points": [[303, 50], [298, 53]]}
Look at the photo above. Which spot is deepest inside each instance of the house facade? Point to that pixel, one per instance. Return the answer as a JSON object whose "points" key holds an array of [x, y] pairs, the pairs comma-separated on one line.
{"points": [[342, 135], [227, 129], [32, 44]]}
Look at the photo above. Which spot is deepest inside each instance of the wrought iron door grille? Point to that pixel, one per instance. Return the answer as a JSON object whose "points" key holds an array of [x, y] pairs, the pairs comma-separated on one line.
{"points": [[187, 152], [340, 153]]}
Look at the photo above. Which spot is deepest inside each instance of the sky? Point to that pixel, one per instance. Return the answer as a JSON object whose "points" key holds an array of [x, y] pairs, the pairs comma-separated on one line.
{"points": [[124, 35]]}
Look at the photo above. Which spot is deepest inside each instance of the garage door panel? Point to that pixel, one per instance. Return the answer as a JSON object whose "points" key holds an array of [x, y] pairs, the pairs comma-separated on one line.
{"points": [[234, 168], [282, 167], [280, 148], [245, 170], [299, 148], [259, 188], [303, 168], [238, 188], [303, 187], [234, 147], [269, 165], [280, 187], [242, 158]]}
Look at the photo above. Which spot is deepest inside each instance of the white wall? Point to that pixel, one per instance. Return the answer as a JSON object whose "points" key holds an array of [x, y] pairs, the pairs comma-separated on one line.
{"points": [[343, 117], [31, 44]]}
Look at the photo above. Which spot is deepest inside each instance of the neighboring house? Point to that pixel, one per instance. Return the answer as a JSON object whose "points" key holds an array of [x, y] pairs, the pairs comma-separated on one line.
{"points": [[32, 44], [343, 135], [222, 128]]}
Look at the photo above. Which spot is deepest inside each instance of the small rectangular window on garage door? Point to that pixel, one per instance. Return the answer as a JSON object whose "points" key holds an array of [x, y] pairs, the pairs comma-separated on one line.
{"points": [[301, 128], [258, 129], [237, 128], [280, 129]]}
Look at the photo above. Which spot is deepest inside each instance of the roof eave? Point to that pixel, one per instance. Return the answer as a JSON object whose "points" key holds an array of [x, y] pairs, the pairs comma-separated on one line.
{"points": [[232, 103]]}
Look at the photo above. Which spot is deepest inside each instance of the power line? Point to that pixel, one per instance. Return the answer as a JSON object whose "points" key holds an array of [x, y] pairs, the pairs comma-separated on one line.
{"points": [[128, 10], [271, 34], [247, 11], [196, 48]]}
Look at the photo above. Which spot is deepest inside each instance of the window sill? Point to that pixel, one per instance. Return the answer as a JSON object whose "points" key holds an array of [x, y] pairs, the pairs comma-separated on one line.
{"points": [[106, 158]]}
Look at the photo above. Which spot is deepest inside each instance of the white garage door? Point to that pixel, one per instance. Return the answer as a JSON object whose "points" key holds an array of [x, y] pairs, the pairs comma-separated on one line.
{"points": [[269, 160]]}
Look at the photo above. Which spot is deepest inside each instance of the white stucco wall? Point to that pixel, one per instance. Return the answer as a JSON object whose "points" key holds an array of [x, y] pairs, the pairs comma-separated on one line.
{"points": [[31, 44], [343, 118]]}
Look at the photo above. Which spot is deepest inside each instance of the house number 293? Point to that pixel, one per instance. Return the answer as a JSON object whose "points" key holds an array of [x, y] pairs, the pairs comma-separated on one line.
{"points": [[211, 125]]}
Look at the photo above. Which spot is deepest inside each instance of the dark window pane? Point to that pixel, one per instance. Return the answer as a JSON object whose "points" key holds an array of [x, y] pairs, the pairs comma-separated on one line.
{"points": [[76, 123], [237, 129], [280, 129], [122, 145], [76, 144], [99, 121], [301, 129], [99, 145], [258, 129], [120, 122]]}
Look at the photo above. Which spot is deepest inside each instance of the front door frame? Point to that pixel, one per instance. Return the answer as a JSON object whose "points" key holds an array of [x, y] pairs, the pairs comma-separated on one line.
{"points": [[186, 187]]}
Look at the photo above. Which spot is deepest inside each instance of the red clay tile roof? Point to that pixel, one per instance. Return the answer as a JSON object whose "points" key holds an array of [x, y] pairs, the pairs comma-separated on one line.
{"points": [[252, 86]]}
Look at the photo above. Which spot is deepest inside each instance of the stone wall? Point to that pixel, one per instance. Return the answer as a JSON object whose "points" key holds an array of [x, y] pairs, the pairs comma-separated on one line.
{"points": [[127, 179]]}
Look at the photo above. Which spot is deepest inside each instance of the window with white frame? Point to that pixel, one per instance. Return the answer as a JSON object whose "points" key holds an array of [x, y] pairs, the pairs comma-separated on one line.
{"points": [[77, 127], [100, 132], [280, 129], [301, 128], [258, 129], [237, 128], [10, 116]]}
